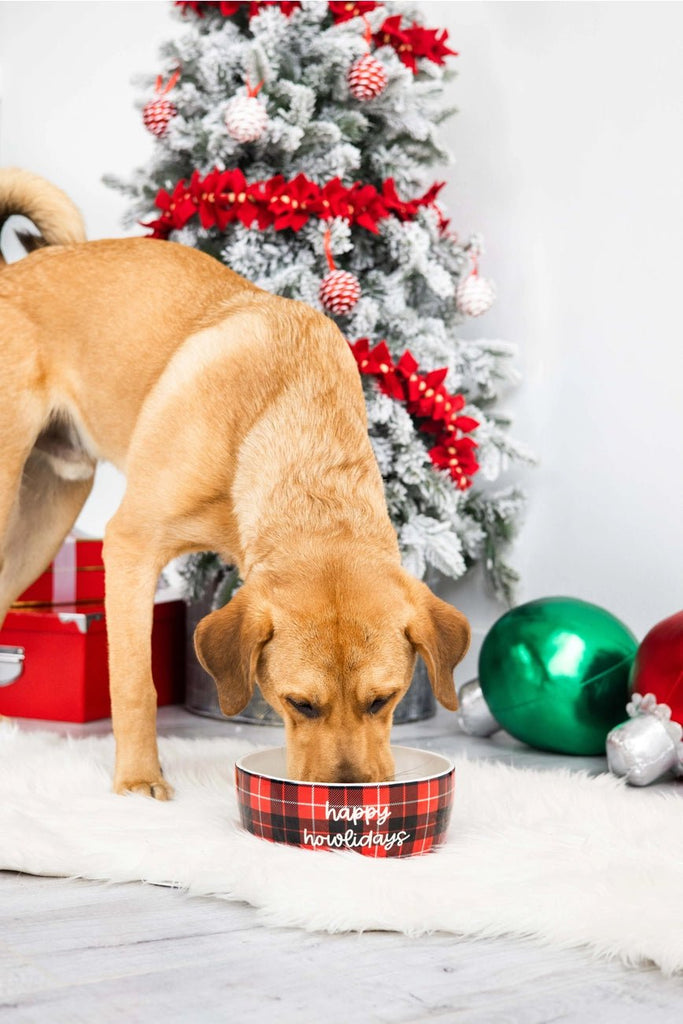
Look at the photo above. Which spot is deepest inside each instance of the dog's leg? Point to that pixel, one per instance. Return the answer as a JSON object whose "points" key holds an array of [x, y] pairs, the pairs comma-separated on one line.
{"points": [[132, 573], [39, 510]]}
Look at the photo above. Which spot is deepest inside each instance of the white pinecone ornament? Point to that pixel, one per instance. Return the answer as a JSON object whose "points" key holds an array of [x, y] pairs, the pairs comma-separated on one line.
{"points": [[474, 295], [339, 291], [367, 77], [245, 118]]}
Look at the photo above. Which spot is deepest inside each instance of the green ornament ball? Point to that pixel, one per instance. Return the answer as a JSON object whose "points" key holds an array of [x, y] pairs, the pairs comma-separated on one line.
{"points": [[555, 674]]}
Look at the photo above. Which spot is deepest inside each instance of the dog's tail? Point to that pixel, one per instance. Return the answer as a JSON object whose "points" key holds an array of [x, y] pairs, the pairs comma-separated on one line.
{"points": [[57, 219]]}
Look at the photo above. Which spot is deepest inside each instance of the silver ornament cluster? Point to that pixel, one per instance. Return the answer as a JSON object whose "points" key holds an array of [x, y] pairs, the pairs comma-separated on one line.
{"points": [[245, 118], [473, 715], [474, 295], [647, 745]]}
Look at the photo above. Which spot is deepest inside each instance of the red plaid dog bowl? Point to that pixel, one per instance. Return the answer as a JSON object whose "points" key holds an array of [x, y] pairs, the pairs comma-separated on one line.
{"points": [[401, 818]]}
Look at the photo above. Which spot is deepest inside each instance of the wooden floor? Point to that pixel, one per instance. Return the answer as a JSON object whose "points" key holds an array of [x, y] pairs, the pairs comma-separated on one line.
{"points": [[74, 951]]}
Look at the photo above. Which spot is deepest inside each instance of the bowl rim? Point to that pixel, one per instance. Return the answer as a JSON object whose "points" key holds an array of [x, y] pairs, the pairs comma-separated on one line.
{"points": [[449, 768]]}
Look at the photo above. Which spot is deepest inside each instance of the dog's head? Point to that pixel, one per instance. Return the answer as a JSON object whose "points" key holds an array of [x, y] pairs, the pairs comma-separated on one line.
{"points": [[333, 655]]}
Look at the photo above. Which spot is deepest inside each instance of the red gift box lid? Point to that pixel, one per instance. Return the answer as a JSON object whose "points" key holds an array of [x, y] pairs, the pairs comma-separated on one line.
{"points": [[69, 618]]}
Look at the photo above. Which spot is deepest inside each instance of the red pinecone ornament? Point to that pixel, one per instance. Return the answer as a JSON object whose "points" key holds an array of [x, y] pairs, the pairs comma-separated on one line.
{"points": [[367, 77], [156, 115], [339, 291]]}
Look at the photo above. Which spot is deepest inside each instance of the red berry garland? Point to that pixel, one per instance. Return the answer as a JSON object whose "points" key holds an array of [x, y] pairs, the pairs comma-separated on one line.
{"points": [[426, 399], [226, 195]]}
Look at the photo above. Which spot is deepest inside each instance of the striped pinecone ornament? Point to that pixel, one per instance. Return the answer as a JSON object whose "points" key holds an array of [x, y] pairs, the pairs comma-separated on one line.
{"points": [[156, 114], [474, 295], [367, 77], [245, 118], [339, 291]]}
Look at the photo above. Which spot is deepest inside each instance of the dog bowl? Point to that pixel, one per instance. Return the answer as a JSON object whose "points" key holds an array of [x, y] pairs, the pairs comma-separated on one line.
{"points": [[402, 818]]}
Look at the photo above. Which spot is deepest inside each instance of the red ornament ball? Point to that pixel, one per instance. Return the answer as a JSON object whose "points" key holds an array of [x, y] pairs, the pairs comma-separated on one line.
{"points": [[367, 77], [156, 115], [339, 291], [658, 666]]}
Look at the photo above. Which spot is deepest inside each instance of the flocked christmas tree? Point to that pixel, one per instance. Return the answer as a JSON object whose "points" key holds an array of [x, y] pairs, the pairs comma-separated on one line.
{"points": [[295, 144]]}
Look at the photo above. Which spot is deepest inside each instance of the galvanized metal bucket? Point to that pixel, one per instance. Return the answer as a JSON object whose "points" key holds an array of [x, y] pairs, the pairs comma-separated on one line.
{"points": [[201, 697]]}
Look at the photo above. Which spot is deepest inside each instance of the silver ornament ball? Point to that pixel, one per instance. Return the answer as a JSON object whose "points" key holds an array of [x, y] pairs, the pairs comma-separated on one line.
{"points": [[473, 715]]}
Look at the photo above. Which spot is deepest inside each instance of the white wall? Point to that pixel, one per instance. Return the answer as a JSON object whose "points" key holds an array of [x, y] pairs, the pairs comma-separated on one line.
{"points": [[569, 161]]}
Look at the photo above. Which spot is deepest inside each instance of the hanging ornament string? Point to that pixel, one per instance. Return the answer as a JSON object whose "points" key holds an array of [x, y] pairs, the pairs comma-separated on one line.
{"points": [[339, 289], [159, 111]]}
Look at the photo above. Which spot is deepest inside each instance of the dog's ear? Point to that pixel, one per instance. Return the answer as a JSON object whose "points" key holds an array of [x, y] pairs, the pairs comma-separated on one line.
{"points": [[441, 636], [229, 642]]}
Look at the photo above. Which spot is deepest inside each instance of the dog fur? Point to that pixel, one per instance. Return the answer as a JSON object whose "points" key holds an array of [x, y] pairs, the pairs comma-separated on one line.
{"points": [[239, 420]]}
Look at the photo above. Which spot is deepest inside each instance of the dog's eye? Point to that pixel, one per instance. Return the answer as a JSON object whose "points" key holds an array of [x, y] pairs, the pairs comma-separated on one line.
{"points": [[379, 703], [304, 707]]}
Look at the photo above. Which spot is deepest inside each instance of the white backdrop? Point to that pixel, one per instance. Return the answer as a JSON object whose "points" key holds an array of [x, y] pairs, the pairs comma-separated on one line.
{"points": [[569, 159]]}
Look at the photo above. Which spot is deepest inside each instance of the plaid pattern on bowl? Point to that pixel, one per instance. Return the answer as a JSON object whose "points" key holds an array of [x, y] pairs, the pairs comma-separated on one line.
{"points": [[398, 819]]}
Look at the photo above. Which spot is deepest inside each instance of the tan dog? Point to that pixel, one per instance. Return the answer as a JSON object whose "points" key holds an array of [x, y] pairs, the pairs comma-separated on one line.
{"points": [[239, 420]]}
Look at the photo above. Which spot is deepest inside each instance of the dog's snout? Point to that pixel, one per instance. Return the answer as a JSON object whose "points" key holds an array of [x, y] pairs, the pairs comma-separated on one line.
{"points": [[349, 774]]}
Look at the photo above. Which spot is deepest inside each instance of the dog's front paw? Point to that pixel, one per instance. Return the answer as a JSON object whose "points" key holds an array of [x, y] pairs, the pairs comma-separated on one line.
{"points": [[158, 789]]}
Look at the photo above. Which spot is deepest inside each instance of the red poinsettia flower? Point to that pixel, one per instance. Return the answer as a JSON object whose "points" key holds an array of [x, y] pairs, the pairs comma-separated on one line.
{"points": [[161, 227], [228, 8], [235, 199], [466, 423], [293, 202], [429, 43], [379, 364], [345, 11], [333, 201], [366, 206], [427, 396], [456, 456], [286, 6], [178, 207], [204, 196], [191, 5], [407, 365], [413, 41], [395, 204], [390, 33]]}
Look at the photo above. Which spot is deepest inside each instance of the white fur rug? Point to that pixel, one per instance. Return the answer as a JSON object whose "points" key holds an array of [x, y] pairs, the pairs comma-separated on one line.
{"points": [[565, 858]]}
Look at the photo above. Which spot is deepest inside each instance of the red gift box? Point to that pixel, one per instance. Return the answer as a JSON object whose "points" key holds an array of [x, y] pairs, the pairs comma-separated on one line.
{"points": [[63, 673], [75, 575]]}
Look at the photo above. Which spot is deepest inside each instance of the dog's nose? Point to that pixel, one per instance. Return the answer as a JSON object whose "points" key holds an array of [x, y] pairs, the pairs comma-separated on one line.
{"points": [[349, 774]]}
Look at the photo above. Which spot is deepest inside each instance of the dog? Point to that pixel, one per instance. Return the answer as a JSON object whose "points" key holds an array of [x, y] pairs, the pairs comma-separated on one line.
{"points": [[239, 421]]}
